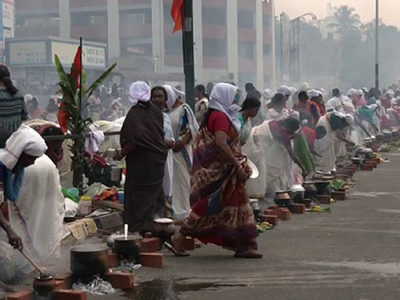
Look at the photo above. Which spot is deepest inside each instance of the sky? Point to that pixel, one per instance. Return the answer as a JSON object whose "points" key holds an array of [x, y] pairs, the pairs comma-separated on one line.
{"points": [[389, 9]]}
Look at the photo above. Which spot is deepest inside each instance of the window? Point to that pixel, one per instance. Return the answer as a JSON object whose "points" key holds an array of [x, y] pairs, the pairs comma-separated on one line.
{"points": [[173, 45], [246, 50], [136, 16], [266, 49], [214, 16], [214, 47], [267, 22], [167, 13], [246, 19]]}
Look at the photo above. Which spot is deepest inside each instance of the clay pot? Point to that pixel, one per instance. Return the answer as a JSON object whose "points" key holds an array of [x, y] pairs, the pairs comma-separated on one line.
{"points": [[44, 286]]}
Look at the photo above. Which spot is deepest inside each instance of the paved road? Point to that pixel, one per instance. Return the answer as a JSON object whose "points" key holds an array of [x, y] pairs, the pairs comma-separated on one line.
{"points": [[352, 253]]}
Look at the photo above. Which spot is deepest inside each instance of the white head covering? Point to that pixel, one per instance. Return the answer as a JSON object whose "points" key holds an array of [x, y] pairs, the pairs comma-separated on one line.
{"points": [[221, 99], [25, 139], [349, 119], [304, 87], [293, 90], [139, 91], [314, 93], [268, 94], [294, 115], [284, 90], [28, 97], [373, 107], [351, 92], [359, 92], [173, 95]]}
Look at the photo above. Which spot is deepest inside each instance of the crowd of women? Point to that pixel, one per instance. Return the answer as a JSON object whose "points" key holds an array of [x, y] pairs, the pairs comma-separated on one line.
{"points": [[195, 165]]}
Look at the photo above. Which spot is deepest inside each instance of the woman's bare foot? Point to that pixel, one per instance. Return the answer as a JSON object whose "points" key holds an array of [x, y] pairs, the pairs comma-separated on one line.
{"points": [[248, 254]]}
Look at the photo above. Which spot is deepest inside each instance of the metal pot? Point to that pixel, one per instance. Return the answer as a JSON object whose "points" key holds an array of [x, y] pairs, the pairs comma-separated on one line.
{"points": [[44, 285], [116, 174], [128, 248], [89, 260], [283, 198]]}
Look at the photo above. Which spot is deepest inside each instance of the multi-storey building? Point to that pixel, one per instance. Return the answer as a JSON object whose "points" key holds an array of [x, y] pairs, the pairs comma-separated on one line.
{"points": [[233, 39]]}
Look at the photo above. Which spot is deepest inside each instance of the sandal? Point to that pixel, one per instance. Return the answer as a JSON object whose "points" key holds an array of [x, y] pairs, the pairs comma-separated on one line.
{"points": [[248, 254]]}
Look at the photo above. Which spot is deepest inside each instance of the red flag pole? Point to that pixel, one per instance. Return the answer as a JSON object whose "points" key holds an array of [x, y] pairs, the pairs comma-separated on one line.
{"points": [[80, 72]]}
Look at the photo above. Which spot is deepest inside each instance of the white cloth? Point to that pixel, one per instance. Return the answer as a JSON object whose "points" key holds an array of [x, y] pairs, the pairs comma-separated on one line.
{"points": [[111, 141], [277, 159], [94, 139], [139, 91], [173, 95], [334, 104], [314, 93], [24, 140], [256, 187], [329, 147], [181, 171], [169, 164], [285, 90], [222, 99], [37, 215], [273, 115]]}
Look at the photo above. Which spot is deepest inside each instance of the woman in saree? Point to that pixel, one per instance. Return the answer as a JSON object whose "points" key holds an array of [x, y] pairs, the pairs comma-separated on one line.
{"points": [[221, 213], [275, 139], [143, 146], [159, 98], [185, 128], [250, 108], [336, 125], [276, 110]]}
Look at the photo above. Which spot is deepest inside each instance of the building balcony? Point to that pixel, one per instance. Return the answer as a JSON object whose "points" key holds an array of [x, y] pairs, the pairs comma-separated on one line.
{"points": [[215, 62], [214, 32], [247, 35], [36, 31], [247, 65], [132, 31], [90, 32]]}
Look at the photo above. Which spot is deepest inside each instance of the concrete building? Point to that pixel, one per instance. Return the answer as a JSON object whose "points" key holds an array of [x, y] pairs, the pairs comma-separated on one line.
{"points": [[232, 37]]}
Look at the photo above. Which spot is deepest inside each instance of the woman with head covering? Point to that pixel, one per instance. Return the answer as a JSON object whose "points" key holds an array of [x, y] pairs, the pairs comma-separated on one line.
{"points": [[375, 108], [39, 207], [159, 98], [220, 213], [303, 106], [22, 149], [366, 116], [34, 109], [143, 146], [276, 109], [185, 127], [328, 147], [12, 106], [249, 110], [201, 102], [317, 107], [274, 138]]}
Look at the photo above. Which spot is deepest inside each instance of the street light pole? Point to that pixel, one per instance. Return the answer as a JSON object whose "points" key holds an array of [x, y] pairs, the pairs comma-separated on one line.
{"points": [[377, 45]]}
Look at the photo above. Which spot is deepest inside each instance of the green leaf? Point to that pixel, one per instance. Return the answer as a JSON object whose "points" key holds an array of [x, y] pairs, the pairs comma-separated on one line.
{"points": [[100, 80]]}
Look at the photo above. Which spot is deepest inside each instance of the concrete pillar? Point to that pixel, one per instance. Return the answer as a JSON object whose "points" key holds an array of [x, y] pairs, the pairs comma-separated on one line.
{"points": [[157, 16], [65, 19], [198, 40], [232, 38], [259, 46], [113, 23], [273, 43]]}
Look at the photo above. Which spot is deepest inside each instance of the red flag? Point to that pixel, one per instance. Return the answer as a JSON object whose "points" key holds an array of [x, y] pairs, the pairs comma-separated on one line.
{"points": [[77, 69], [63, 117], [176, 14]]}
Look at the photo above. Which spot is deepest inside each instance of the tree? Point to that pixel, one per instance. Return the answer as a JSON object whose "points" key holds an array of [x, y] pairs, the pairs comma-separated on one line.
{"points": [[73, 103], [347, 20]]}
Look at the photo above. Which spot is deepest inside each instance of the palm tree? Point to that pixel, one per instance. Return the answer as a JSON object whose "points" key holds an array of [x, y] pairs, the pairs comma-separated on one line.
{"points": [[347, 20]]}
